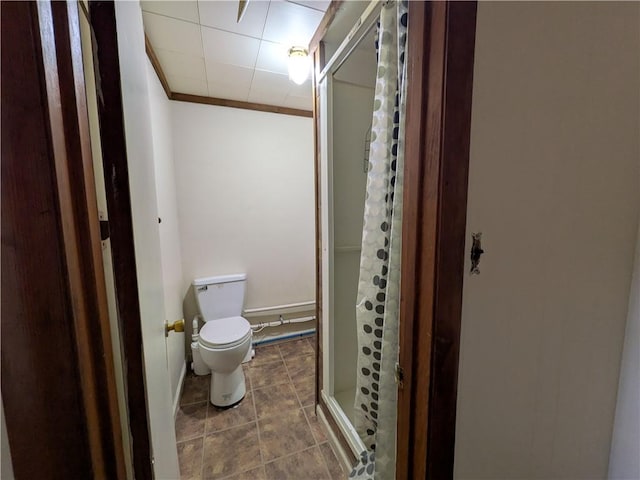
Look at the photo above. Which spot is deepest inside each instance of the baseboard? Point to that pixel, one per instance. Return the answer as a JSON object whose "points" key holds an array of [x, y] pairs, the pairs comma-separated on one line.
{"points": [[178, 392]]}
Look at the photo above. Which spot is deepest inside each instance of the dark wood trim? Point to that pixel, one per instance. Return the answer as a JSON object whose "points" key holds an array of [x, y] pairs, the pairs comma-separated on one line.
{"points": [[58, 384], [114, 158], [411, 420], [222, 102], [324, 25], [156, 66], [441, 50], [82, 239]]}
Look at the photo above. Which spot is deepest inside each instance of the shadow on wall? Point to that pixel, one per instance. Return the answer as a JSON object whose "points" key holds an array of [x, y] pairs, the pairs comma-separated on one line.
{"points": [[190, 310]]}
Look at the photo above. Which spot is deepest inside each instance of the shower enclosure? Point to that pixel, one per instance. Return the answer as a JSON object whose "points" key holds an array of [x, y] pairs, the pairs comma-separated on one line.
{"points": [[346, 95]]}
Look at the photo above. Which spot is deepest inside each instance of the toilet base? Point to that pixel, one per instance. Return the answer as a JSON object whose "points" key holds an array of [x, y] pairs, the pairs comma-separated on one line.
{"points": [[227, 389]]}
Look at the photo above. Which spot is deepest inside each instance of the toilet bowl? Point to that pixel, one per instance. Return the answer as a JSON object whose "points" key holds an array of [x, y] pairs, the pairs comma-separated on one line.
{"points": [[225, 339], [223, 345]]}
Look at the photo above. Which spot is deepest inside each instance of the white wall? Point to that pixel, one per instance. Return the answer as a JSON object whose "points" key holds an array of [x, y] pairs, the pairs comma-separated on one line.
{"points": [[554, 188], [624, 461], [168, 226], [352, 113], [245, 192]]}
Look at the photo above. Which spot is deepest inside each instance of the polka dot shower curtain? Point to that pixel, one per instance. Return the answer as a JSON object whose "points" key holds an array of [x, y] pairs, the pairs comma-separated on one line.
{"points": [[377, 305]]}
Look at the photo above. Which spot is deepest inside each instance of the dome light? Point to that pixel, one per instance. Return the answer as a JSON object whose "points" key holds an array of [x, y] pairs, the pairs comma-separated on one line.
{"points": [[299, 65]]}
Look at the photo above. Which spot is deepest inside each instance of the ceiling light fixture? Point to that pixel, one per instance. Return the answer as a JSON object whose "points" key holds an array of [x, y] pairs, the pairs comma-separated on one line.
{"points": [[299, 65]]}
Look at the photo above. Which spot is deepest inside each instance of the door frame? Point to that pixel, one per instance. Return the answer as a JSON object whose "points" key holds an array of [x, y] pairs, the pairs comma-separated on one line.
{"points": [[440, 54], [440, 71], [102, 20], [59, 340]]}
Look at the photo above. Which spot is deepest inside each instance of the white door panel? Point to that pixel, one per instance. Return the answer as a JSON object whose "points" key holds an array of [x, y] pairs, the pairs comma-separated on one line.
{"points": [[137, 118], [553, 187]]}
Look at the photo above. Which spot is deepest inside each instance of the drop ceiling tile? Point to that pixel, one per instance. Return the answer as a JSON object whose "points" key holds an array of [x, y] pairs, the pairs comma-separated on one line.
{"points": [[303, 90], [291, 24], [273, 57], [188, 85], [223, 15], [231, 48], [171, 34], [228, 91], [266, 98], [271, 82], [174, 63], [302, 103], [183, 10], [321, 5], [224, 74], [269, 88]]}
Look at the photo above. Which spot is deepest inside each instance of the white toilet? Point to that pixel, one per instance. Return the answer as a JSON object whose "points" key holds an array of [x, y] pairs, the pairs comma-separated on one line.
{"points": [[225, 338]]}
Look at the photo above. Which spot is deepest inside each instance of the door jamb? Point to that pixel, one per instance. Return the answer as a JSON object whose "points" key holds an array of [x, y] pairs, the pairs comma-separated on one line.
{"points": [[440, 69], [102, 21], [55, 64]]}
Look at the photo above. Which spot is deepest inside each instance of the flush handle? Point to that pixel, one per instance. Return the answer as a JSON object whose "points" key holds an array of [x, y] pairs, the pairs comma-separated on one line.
{"points": [[177, 326]]}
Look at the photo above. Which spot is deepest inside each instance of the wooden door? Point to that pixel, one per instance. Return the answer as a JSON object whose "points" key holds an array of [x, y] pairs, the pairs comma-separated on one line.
{"points": [[58, 386]]}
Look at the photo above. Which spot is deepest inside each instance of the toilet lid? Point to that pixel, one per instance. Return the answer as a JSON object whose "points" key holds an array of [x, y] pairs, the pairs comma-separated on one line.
{"points": [[224, 331]]}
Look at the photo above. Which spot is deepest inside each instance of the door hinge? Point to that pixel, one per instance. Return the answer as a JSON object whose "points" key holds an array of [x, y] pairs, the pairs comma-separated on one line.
{"points": [[399, 375], [104, 230], [104, 226]]}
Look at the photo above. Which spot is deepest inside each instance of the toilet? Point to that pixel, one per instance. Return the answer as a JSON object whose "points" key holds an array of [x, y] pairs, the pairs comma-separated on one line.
{"points": [[225, 338]]}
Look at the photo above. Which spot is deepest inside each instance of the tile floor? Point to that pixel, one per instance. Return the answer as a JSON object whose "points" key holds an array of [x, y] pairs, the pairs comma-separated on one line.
{"points": [[273, 434]]}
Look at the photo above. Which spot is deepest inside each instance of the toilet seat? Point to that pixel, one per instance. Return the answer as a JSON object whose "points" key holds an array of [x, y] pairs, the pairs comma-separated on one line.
{"points": [[225, 332]]}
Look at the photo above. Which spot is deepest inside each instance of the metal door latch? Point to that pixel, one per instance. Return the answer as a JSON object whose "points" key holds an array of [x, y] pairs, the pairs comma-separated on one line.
{"points": [[476, 252]]}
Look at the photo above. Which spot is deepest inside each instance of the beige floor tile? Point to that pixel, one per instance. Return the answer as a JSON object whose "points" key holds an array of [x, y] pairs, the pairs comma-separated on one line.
{"points": [[268, 374], [231, 451], [332, 462], [300, 366], [190, 421], [295, 348], [218, 419], [314, 422], [255, 474], [283, 434], [312, 341], [275, 399], [190, 459], [266, 354], [306, 390], [196, 389], [305, 465]]}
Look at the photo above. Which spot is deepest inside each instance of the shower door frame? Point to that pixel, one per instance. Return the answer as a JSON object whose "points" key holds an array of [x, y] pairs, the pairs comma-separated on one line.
{"points": [[345, 432], [440, 57]]}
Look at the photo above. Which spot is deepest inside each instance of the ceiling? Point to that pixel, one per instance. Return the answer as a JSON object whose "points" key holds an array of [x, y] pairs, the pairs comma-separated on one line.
{"points": [[203, 50]]}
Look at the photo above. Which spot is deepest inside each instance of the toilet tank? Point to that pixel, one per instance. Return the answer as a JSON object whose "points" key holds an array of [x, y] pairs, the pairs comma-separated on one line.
{"points": [[221, 296]]}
